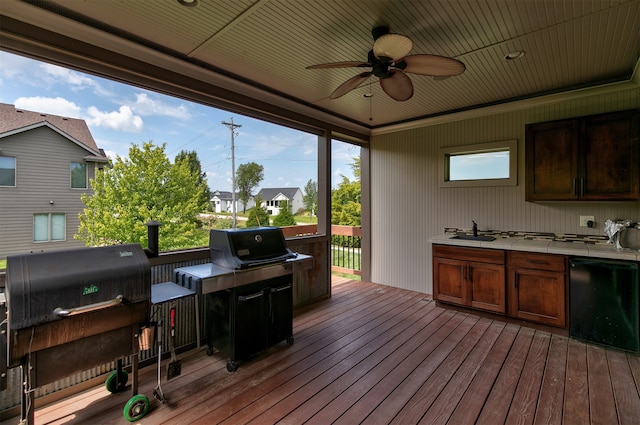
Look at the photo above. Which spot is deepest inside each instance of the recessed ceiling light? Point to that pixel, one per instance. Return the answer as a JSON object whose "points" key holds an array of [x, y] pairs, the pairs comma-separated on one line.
{"points": [[189, 3], [514, 55]]}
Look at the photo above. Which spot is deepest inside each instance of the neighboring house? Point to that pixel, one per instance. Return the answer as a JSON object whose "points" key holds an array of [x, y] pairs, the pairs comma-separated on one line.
{"points": [[46, 162], [221, 201], [273, 198]]}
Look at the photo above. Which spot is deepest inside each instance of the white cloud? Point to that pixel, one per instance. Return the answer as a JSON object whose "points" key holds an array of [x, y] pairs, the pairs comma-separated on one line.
{"points": [[145, 105], [49, 105], [123, 119], [74, 80]]}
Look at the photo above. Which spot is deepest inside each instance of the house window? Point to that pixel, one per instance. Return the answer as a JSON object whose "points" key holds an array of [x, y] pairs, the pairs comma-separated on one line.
{"points": [[78, 175], [487, 164], [49, 227], [7, 171]]}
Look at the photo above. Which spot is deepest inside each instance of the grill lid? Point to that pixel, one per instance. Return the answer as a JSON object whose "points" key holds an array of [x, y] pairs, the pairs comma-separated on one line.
{"points": [[250, 247], [47, 286]]}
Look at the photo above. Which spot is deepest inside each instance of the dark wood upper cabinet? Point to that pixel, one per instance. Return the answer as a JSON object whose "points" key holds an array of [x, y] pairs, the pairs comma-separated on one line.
{"points": [[593, 158]]}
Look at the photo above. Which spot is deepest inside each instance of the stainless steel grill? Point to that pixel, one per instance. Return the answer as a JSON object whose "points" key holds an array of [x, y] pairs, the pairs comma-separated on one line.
{"points": [[247, 290]]}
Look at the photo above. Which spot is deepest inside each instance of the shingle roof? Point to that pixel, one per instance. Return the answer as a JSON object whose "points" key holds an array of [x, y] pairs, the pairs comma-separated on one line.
{"points": [[15, 119], [270, 193]]}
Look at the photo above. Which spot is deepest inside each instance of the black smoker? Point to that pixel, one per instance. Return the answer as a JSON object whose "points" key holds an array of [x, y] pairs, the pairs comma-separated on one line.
{"points": [[72, 310], [247, 289]]}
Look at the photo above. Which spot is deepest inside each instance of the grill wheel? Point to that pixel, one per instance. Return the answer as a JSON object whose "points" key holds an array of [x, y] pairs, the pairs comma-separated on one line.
{"points": [[115, 383], [136, 407]]}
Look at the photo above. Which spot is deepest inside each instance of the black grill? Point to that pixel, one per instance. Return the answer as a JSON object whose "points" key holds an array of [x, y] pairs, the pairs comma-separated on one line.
{"points": [[245, 248], [72, 310], [247, 289]]}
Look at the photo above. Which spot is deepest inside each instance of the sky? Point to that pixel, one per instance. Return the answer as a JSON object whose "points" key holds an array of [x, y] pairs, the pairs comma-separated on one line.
{"points": [[119, 115]]}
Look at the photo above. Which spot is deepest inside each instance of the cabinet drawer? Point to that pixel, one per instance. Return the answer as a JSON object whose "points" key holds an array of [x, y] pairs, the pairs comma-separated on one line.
{"points": [[532, 260], [481, 255]]}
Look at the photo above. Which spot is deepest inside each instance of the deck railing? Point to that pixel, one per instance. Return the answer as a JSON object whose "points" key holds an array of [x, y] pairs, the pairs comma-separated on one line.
{"points": [[345, 245]]}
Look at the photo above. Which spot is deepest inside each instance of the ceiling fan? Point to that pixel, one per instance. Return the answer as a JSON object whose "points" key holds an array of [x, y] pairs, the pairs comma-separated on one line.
{"points": [[389, 62]]}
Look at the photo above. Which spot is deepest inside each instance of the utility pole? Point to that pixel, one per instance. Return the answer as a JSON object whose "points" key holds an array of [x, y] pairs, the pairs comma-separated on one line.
{"points": [[233, 127]]}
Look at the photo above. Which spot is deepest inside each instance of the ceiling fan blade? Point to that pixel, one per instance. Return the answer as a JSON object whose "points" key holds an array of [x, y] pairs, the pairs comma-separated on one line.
{"points": [[394, 46], [398, 86], [349, 85], [433, 65], [351, 64]]}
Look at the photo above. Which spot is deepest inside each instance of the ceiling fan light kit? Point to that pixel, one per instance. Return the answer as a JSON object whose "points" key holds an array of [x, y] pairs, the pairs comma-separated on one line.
{"points": [[389, 62]]}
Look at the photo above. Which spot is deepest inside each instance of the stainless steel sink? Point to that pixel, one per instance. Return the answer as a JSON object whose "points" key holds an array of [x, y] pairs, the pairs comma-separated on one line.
{"points": [[483, 238]]}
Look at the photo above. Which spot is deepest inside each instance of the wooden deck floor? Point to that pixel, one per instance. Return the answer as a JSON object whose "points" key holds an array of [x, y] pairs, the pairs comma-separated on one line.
{"points": [[377, 355]]}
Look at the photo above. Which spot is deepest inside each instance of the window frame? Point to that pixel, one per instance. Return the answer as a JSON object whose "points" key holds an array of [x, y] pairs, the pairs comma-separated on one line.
{"points": [[15, 171], [71, 181], [49, 229], [446, 153]]}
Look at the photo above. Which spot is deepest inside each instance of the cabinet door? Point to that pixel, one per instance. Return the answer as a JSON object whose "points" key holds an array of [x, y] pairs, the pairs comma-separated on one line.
{"points": [[611, 166], [449, 280], [551, 156], [487, 287], [537, 295]]}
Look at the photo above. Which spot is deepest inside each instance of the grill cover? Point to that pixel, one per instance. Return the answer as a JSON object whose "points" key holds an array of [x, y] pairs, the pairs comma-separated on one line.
{"points": [[243, 248], [40, 283]]}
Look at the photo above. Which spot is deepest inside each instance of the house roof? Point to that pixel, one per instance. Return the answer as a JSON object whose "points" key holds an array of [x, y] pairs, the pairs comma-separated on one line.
{"points": [[222, 194], [270, 193], [14, 120]]}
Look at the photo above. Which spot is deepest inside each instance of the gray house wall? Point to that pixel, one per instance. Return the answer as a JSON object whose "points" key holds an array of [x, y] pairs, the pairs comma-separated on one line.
{"points": [[43, 161]]}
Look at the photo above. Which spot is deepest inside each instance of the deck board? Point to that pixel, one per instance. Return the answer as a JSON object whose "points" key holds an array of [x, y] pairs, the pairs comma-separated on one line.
{"points": [[376, 354]]}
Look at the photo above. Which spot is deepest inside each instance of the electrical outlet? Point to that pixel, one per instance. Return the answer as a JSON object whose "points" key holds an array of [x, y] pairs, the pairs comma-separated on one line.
{"points": [[584, 219]]}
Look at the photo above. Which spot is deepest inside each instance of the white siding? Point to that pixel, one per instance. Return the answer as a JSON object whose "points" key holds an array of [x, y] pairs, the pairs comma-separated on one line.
{"points": [[408, 207], [43, 175]]}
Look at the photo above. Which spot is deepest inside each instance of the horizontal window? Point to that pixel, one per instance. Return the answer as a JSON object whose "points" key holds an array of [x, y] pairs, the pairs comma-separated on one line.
{"points": [[7, 171], [487, 164]]}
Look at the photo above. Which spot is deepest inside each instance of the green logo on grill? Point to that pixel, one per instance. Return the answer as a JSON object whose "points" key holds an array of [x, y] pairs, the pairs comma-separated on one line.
{"points": [[90, 290]]}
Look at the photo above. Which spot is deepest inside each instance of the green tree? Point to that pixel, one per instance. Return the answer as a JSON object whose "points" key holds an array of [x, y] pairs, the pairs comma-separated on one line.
{"points": [[346, 203], [310, 198], [258, 215], [139, 188], [285, 216], [248, 176], [196, 168]]}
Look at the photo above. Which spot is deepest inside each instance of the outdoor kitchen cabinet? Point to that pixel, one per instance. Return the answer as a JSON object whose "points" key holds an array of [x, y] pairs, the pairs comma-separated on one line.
{"points": [[470, 277], [537, 287], [246, 320], [591, 158]]}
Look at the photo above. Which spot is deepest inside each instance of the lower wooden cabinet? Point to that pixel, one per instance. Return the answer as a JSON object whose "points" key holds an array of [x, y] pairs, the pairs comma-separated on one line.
{"points": [[471, 277], [523, 285], [537, 287]]}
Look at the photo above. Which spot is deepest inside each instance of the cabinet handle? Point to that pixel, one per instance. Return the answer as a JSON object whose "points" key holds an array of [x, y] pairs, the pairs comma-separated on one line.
{"points": [[470, 274], [582, 186], [250, 297], [515, 280], [574, 189]]}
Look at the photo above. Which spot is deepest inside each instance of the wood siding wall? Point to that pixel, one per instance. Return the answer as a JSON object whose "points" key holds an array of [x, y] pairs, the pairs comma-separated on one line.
{"points": [[43, 175], [408, 206]]}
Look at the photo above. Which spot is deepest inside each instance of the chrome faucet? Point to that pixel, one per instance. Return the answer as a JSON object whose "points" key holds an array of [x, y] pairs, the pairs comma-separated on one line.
{"points": [[475, 229]]}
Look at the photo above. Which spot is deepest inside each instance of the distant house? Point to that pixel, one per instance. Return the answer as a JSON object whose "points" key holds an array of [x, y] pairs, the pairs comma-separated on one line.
{"points": [[46, 162], [221, 201], [272, 199]]}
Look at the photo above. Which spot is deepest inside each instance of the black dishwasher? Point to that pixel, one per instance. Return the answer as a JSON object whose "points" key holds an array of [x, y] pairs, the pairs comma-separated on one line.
{"points": [[604, 301]]}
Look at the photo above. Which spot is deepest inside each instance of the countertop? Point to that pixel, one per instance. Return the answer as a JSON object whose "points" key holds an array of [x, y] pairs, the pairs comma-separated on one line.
{"points": [[520, 243]]}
